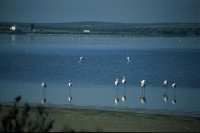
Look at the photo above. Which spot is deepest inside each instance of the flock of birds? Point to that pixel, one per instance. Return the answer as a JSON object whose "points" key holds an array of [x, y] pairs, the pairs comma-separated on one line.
{"points": [[117, 83], [143, 85]]}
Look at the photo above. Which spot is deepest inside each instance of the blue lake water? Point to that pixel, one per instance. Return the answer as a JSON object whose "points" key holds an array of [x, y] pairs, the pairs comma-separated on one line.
{"points": [[27, 60]]}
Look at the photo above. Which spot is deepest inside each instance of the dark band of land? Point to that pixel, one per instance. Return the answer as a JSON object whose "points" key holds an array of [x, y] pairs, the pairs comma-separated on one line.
{"points": [[78, 120], [105, 28]]}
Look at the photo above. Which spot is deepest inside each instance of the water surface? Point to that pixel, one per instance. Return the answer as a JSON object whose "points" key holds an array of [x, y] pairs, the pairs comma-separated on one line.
{"points": [[27, 60]]}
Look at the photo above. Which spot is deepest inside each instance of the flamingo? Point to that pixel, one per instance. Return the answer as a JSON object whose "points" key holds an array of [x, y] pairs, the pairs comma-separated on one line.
{"points": [[116, 82], [44, 86], [124, 80], [128, 60], [165, 97], [81, 58], [165, 83], [143, 85], [124, 90], [116, 97], [174, 87], [70, 85]]}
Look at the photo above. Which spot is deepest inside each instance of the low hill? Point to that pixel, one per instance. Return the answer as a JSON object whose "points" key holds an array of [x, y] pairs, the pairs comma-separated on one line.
{"points": [[105, 28]]}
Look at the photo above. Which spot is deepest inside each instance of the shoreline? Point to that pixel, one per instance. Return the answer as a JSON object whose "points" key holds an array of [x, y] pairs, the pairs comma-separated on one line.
{"points": [[139, 111], [97, 35], [94, 120]]}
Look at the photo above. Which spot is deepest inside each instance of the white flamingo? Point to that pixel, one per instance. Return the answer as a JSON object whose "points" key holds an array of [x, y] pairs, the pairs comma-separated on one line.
{"points": [[44, 86], [70, 85], [116, 82], [124, 80], [81, 59], [165, 97], [165, 83], [124, 91], [174, 87], [143, 85], [128, 60], [116, 97]]}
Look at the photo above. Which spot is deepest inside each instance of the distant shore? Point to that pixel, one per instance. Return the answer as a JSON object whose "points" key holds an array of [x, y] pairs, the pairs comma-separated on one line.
{"points": [[104, 29], [67, 119]]}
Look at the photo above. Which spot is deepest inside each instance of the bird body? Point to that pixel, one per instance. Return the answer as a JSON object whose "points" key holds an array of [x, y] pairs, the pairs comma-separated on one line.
{"points": [[44, 85], [165, 83], [116, 82], [174, 85], [143, 83], [128, 59], [70, 83], [124, 80], [81, 58]]}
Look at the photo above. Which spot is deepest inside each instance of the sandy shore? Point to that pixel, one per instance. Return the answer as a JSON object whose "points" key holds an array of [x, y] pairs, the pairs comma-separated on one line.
{"points": [[117, 121]]}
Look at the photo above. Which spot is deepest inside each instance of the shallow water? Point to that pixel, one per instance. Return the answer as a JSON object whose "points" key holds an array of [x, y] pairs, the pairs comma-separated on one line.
{"points": [[27, 60]]}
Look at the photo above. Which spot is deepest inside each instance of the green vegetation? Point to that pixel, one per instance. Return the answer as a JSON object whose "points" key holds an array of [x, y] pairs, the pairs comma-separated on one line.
{"points": [[23, 119], [105, 28]]}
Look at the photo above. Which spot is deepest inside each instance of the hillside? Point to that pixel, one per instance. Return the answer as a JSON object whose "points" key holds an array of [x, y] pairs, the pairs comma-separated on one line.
{"points": [[105, 28]]}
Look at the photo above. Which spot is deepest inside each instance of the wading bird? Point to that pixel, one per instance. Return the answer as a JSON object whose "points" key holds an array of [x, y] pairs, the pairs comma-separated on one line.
{"points": [[128, 60], [124, 89], [81, 59], [174, 93], [165, 97], [143, 85], [70, 85], [165, 83], [44, 86], [117, 91]]}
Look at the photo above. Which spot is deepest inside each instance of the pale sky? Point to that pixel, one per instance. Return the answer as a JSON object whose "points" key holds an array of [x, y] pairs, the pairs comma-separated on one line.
{"points": [[126, 11]]}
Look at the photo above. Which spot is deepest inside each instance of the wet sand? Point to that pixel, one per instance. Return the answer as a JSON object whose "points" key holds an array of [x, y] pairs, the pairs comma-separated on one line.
{"points": [[120, 121], [68, 119]]}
